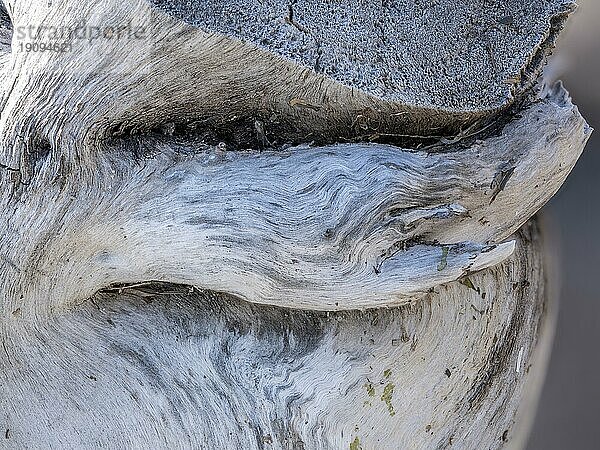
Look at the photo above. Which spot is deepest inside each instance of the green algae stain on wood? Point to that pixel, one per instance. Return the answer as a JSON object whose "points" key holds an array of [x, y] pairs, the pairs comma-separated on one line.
{"points": [[355, 444], [370, 389], [388, 392], [466, 281], [444, 262]]}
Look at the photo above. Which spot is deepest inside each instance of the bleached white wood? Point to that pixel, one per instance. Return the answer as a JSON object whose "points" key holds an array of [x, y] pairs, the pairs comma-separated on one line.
{"points": [[301, 284], [166, 367]]}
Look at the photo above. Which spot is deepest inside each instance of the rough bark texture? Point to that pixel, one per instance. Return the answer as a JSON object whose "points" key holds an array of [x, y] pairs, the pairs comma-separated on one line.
{"points": [[244, 233]]}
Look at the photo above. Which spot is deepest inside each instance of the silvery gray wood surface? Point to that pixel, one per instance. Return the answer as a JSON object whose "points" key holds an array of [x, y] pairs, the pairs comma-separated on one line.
{"points": [[206, 243], [174, 368]]}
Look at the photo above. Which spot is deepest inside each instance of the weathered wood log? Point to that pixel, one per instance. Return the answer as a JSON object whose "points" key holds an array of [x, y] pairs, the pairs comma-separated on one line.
{"points": [[259, 225]]}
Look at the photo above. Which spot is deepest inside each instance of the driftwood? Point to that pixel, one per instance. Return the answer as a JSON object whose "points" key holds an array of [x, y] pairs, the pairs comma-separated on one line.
{"points": [[273, 225]]}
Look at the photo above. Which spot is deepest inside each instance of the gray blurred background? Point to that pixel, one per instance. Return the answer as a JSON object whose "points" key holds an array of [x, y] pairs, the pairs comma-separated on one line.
{"points": [[569, 411]]}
